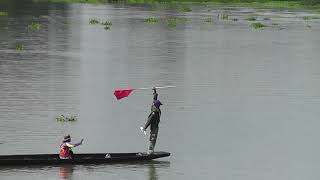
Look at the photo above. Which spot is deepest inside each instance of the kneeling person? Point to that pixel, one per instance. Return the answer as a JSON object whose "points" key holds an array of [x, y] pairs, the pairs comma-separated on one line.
{"points": [[65, 148]]}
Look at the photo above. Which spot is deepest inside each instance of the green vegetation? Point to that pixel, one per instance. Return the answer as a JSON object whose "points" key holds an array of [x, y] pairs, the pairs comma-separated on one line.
{"points": [[224, 16], [151, 20], [3, 13], [94, 21], [63, 118], [34, 26], [184, 9], [209, 20], [20, 47], [313, 4], [258, 25], [172, 22], [107, 24], [310, 17], [251, 19], [73, 1]]}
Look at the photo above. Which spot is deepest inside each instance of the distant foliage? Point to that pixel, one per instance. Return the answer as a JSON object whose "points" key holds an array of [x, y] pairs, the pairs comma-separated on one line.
{"points": [[3, 13], [311, 2]]}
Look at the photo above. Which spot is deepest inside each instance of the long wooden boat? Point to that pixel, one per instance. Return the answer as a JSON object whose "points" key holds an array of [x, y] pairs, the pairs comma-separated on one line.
{"points": [[97, 158]]}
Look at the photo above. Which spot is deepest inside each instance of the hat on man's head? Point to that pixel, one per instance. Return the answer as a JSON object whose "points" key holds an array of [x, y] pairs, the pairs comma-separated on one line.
{"points": [[66, 138], [157, 102]]}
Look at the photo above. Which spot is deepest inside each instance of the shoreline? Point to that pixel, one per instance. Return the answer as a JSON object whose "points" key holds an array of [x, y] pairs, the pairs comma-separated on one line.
{"points": [[236, 3]]}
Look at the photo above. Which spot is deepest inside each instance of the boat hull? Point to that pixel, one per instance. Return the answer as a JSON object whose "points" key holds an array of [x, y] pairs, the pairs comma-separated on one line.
{"points": [[97, 158]]}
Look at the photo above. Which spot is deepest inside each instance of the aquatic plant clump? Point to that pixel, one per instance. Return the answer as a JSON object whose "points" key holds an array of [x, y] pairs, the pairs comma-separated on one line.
{"points": [[251, 19], [107, 25], [209, 20], [3, 13], [63, 118], [258, 25], [20, 47], [224, 16], [34, 26], [184, 9], [306, 18], [172, 22], [94, 21], [151, 20]]}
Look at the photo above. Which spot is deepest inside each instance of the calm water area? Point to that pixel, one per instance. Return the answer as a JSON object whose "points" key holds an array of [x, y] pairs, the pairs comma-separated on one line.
{"points": [[246, 105]]}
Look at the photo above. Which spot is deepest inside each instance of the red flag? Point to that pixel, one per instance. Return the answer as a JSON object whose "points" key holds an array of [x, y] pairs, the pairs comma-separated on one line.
{"points": [[121, 93]]}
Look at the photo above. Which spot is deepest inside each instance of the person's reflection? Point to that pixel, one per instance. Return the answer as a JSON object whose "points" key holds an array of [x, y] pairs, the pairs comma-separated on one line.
{"points": [[152, 172], [65, 172], [153, 166]]}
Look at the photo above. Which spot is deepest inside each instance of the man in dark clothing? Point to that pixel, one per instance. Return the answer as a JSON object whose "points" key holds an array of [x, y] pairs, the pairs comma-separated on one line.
{"points": [[153, 121]]}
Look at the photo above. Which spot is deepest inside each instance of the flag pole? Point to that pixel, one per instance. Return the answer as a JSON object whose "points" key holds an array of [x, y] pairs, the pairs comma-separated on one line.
{"points": [[157, 87]]}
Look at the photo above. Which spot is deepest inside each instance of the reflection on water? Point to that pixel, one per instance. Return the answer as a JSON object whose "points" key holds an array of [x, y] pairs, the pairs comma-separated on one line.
{"points": [[65, 172], [152, 172], [148, 169]]}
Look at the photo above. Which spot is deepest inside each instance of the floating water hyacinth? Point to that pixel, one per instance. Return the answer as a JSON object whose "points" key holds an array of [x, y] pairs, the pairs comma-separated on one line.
{"points": [[209, 20], [184, 9], [251, 19], [63, 118], [19, 47], [94, 21], [34, 26], [172, 22], [310, 17], [223, 16], [107, 23], [151, 20], [258, 25]]}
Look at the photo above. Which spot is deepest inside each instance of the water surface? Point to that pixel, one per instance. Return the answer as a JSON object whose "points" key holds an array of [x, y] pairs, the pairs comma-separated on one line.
{"points": [[245, 107]]}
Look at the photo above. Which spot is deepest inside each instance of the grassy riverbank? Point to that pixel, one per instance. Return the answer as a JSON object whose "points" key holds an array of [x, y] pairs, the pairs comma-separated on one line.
{"points": [[310, 4]]}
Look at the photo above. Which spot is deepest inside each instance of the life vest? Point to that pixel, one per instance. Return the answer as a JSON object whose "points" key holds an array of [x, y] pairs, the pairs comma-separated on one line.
{"points": [[65, 151]]}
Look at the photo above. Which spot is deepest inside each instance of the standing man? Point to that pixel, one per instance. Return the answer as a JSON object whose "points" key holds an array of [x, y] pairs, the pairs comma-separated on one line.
{"points": [[153, 121]]}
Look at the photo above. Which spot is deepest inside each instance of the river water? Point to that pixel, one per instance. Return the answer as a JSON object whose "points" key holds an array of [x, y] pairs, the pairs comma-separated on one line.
{"points": [[246, 105]]}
